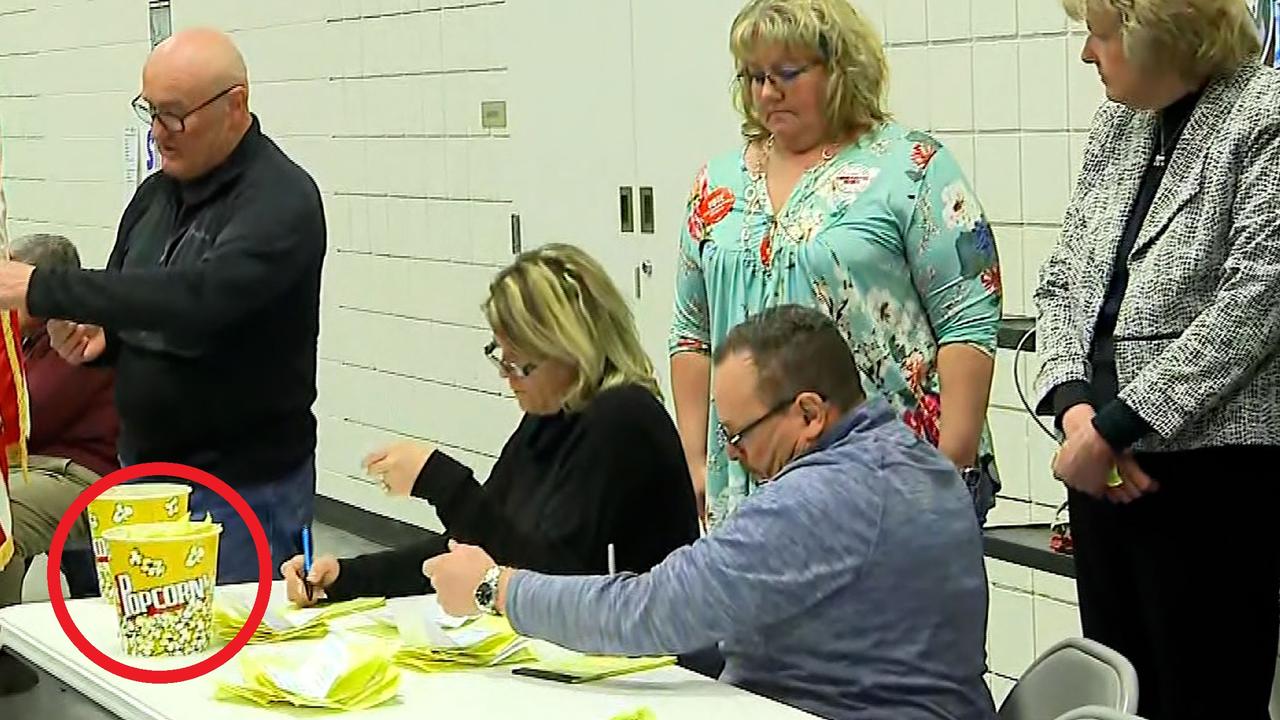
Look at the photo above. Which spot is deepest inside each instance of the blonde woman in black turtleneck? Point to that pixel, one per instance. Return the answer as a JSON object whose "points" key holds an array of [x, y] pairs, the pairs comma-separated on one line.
{"points": [[595, 462]]}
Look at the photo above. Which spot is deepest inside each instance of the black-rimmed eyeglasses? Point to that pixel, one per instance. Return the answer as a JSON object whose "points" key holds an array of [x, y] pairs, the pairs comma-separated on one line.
{"points": [[735, 439], [172, 122], [506, 368]]}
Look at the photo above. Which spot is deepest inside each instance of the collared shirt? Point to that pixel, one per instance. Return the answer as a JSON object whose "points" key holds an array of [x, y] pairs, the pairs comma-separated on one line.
{"points": [[211, 302], [851, 586]]}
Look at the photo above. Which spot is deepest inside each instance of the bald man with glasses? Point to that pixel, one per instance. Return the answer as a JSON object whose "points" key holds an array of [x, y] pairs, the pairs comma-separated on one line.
{"points": [[208, 308]]}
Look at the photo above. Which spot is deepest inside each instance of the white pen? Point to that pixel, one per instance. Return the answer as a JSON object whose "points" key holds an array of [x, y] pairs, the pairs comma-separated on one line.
{"points": [[613, 561]]}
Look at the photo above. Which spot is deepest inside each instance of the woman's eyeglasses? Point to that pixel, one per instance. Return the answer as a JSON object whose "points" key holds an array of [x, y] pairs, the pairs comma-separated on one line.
{"points": [[506, 368], [779, 78]]}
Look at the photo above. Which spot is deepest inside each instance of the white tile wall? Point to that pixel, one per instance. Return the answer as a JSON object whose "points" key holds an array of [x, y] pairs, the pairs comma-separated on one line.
{"points": [[996, 85], [994, 18], [1023, 127], [390, 92], [67, 74], [380, 101]]}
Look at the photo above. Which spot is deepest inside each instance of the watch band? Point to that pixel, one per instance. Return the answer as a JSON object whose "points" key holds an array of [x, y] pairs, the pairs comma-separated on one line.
{"points": [[487, 591]]}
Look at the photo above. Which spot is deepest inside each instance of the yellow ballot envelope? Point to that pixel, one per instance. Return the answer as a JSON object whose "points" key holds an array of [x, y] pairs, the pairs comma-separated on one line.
{"points": [[333, 674], [129, 505], [163, 576]]}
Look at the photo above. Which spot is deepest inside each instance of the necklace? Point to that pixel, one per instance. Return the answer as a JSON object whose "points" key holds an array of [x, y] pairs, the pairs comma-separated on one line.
{"points": [[1167, 144], [757, 192], [828, 152]]}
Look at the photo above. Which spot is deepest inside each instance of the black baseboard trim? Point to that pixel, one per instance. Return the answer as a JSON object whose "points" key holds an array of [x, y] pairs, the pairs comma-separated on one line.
{"points": [[1012, 329], [367, 524], [1028, 545]]}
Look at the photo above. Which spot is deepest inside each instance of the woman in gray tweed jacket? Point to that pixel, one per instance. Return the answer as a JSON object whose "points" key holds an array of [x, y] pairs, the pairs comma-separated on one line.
{"points": [[1159, 323]]}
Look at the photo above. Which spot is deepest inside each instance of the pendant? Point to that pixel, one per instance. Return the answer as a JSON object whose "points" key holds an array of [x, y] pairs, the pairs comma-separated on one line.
{"points": [[1158, 161]]}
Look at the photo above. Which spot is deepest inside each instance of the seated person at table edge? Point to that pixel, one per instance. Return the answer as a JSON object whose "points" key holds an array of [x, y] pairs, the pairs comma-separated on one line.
{"points": [[72, 444], [73, 428], [595, 461], [851, 585]]}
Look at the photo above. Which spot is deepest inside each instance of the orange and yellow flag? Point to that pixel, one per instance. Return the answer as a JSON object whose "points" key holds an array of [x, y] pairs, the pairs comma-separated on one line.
{"points": [[14, 415]]}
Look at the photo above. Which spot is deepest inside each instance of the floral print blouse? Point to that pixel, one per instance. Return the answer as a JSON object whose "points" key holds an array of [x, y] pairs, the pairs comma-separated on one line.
{"points": [[886, 236]]}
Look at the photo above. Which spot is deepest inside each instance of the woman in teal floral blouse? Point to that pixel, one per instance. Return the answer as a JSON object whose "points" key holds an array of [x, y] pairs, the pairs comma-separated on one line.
{"points": [[831, 203]]}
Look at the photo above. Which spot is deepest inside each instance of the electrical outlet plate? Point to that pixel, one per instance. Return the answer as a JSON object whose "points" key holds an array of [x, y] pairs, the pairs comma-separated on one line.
{"points": [[493, 114]]}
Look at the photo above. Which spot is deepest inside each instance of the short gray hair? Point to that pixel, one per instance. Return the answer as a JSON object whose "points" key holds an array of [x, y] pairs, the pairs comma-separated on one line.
{"points": [[45, 250]]}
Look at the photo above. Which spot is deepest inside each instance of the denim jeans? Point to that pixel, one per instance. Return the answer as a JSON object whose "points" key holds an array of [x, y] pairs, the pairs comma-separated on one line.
{"points": [[283, 507], [984, 490]]}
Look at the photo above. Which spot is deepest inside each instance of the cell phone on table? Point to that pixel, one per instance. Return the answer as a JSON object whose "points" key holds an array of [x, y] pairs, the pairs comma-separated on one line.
{"points": [[551, 675]]}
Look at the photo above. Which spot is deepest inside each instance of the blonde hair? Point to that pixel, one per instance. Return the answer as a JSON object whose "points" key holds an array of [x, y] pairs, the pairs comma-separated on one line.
{"points": [[557, 303], [1198, 38], [848, 45]]}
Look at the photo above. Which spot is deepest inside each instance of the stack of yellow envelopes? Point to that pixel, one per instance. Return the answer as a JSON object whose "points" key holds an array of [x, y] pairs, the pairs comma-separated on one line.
{"points": [[335, 674], [431, 642], [496, 648], [231, 612]]}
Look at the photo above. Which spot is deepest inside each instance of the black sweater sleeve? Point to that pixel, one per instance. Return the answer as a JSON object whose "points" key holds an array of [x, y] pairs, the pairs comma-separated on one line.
{"points": [[398, 572], [600, 466], [390, 573], [1064, 397], [613, 457]]}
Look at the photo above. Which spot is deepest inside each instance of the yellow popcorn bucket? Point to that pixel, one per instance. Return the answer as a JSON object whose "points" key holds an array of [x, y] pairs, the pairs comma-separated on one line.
{"points": [[128, 505], [163, 575]]}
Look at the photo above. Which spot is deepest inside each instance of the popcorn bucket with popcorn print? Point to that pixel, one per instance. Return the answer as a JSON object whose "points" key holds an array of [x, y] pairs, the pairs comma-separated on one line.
{"points": [[163, 576], [129, 505]]}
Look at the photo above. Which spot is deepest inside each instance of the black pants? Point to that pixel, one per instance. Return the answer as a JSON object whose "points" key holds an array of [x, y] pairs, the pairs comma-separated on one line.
{"points": [[1186, 582]]}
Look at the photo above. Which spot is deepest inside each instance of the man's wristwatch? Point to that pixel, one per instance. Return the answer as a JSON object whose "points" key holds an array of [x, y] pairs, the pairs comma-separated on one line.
{"points": [[487, 591]]}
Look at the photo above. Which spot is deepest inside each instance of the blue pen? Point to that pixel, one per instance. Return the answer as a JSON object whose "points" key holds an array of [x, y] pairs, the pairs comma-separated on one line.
{"points": [[306, 559]]}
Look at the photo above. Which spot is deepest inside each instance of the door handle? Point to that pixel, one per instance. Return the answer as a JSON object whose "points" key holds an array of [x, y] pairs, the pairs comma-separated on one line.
{"points": [[626, 219], [645, 268], [646, 210]]}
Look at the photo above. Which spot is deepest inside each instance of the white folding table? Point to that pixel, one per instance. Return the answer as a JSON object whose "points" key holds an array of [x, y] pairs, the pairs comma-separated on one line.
{"points": [[672, 693]]}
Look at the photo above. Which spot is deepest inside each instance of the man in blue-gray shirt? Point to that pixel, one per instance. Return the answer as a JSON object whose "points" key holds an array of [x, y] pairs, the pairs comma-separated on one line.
{"points": [[851, 585]]}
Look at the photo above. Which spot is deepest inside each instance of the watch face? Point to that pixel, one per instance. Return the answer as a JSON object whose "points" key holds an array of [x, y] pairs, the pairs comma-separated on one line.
{"points": [[484, 596]]}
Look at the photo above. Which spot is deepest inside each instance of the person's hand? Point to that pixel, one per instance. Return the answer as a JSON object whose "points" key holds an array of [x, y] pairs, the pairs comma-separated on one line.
{"points": [[1085, 460], [1136, 482], [1078, 418], [397, 466], [324, 573], [76, 343], [455, 575], [15, 277]]}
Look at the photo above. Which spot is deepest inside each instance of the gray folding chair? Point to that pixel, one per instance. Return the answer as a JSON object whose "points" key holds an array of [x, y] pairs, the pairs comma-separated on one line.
{"points": [[1097, 712], [1073, 674]]}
